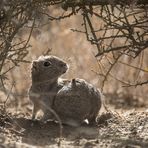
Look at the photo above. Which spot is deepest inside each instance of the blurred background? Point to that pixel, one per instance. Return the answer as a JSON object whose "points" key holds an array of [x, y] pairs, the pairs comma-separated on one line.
{"points": [[58, 38]]}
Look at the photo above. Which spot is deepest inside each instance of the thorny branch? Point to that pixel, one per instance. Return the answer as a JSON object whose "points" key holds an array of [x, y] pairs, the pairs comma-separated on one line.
{"points": [[124, 25], [122, 28]]}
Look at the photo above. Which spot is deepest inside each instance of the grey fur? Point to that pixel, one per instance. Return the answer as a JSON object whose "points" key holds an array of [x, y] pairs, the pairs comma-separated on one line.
{"points": [[74, 101]]}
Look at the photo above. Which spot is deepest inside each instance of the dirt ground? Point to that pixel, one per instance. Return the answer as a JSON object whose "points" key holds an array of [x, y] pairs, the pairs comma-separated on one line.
{"points": [[119, 129]]}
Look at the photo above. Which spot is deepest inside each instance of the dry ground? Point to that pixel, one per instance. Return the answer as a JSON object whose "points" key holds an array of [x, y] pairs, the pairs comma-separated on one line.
{"points": [[127, 129]]}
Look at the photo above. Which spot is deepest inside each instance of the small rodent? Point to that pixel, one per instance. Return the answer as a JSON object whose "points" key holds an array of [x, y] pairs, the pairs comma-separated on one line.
{"points": [[74, 101], [45, 73]]}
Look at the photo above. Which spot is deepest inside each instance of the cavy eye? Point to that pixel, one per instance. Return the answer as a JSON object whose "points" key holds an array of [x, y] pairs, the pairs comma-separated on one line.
{"points": [[63, 64], [47, 63]]}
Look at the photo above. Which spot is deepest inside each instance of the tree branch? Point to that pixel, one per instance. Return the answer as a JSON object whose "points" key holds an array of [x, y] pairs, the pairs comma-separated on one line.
{"points": [[74, 3]]}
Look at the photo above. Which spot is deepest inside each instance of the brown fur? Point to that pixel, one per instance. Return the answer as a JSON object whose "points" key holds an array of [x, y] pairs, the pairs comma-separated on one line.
{"points": [[74, 101]]}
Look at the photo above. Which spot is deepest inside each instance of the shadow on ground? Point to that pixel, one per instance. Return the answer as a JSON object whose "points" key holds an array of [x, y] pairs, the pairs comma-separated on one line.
{"points": [[40, 134], [127, 129]]}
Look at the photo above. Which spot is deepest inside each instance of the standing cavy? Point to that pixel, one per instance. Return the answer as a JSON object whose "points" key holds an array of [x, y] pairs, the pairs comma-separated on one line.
{"points": [[74, 101]]}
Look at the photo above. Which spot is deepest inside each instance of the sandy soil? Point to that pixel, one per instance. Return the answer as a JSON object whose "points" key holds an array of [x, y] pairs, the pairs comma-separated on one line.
{"points": [[128, 129]]}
